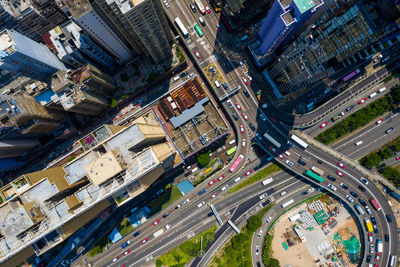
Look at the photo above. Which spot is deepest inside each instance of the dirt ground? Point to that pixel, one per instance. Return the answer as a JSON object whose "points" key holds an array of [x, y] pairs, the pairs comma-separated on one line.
{"points": [[297, 255]]}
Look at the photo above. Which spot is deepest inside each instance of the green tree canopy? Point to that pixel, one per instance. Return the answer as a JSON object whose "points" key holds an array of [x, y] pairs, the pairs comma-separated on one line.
{"points": [[203, 159]]}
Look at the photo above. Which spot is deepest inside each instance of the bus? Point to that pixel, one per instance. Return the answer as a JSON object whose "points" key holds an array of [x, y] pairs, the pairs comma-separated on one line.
{"points": [[231, 151], [198, 30], [368, 224], [284, 205], [236, 163], [182, 28], [299, 141], [392, 261], [375, 204], [351, 75], [314, 176], [268, 181], [317, 170], [272, 140], [200, 6]]}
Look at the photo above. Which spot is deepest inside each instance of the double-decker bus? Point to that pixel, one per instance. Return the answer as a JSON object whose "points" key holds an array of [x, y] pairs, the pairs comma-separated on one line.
{"points": [[313, 176], [182, 28], [236, 163], [198, 30]]}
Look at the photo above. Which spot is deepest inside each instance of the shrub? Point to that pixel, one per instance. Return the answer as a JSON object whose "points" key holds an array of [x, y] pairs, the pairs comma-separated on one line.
{"points": [[114, 103], [203, 159], [392, 174]]}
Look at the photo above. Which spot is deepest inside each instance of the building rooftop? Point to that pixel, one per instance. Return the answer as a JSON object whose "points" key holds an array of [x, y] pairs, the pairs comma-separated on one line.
{"points": [[125, 5], [304, 5], [78, 8], [15, 221], [103, 168]]}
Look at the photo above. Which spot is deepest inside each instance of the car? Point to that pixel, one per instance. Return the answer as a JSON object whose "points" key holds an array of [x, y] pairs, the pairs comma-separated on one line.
{"points": [[221, 177], [263, 117], [245, 116], [252, 126], [349, 198], [323, 125], [250, 78], [379, 121], [238, 106], [197, 53], [218, 26], [368, 258], [274, 121], [283, 193], [363, 180], [248, 173], [235, 116], [166, 4], [388, 218], [257, 250], [332, 187], [354, 194], [229, 103], [341, 164], [145, 240], [272, 149], [377, 256], [259, 234], [213, 196], [268, 220], [266, 202], [330, 177], [289, 163], [246, 93], [362, 188], [156, 222], [159, 192], [177, 207], [362, 201], [368, 210], [290, 144], [370, 238], [124, 245], [375, 229], [115, 259], [281, 156], [344, 186], [389, 130], [339, 173], [373, 220], [201, 192], [201, 204], [165, 215], [246, 82], [212, 70], [362, 100], [371, 248], [397, 158], [211, 182], [386, 238], [225, 85], [126, 252], [224, 188], [186, 201], [320, 161], [241, 64], [301, 162], [193, 7], [262, 196], [137, 233], [208, 10], [241, 129], [349, 108]]}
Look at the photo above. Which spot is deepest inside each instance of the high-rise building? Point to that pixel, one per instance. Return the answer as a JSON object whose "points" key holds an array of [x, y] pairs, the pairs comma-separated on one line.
{"points": [[93, 23], [283, 20], [23, 56], [346, 35], [146, 22], [75, 47]]}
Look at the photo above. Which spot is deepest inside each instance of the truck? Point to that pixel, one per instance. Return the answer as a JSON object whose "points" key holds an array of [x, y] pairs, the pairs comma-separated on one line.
{"points": [[359, 209], [317, 170], [265, 182], [379, 245], [200, 6], [272, 140], [288, 203], [337, 116], [368, 224], [375, 204], [158, 233]]}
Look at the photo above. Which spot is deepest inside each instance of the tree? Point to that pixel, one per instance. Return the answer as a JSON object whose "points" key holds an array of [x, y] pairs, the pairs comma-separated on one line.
{"points": [[386, 153], [273, 263], [253, 223], [203, 159], [114, 103], [371, 160]]}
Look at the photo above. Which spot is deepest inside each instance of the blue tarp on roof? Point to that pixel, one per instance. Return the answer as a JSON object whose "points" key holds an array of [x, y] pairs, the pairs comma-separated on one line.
{"points": [[115, 236], [189, 113], [185, 187], [44, 96]]}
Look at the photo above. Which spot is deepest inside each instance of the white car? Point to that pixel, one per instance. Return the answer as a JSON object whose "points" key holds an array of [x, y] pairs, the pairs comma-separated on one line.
{"points": [[371, 248], [363, 180], [332, 187], [289, 163], [263, 196], [257, 250], [201, 204], [349, 198], [230, 103], [224, 188], [283, 193], [368, 210], [259, 234], [268, 220]]}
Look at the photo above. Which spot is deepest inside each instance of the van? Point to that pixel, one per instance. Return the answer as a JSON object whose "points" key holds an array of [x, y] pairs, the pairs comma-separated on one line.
{"points": [[244, 143], [216, 84], [372, 95], [287, 153], [175, 79], [237, 180], [382, 89], [389, 130], [358, 143], [202, 21], [283, 193]]}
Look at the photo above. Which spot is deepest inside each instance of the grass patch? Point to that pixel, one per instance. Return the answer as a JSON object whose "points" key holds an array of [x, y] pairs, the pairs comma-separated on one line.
{"points": [[260, 175], [182, 254], [100, 246], [164, 200], [124, 227], [361, 117], [237, 251], [204, 177]]}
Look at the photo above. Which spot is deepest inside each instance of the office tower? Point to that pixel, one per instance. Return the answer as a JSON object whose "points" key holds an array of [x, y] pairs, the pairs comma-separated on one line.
{"points": [[75, 47], [283, 20], [92, 23], [145, 21], [23, 56], [345, 36]]}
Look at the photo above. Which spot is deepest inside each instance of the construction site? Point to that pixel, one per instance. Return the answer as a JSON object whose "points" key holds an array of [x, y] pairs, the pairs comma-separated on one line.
{"points": [[320, 232]]}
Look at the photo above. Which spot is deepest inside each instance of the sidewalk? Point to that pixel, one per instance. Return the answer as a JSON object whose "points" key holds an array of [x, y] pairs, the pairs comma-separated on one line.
{"points": [[350, 162]]}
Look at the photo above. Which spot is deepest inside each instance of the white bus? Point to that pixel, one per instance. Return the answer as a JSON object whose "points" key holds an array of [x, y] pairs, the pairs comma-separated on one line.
{"points": [[272, 140], [299, 141], [288, 203], [268, 181], [317, 170], [182, 28], [392, 261]]}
